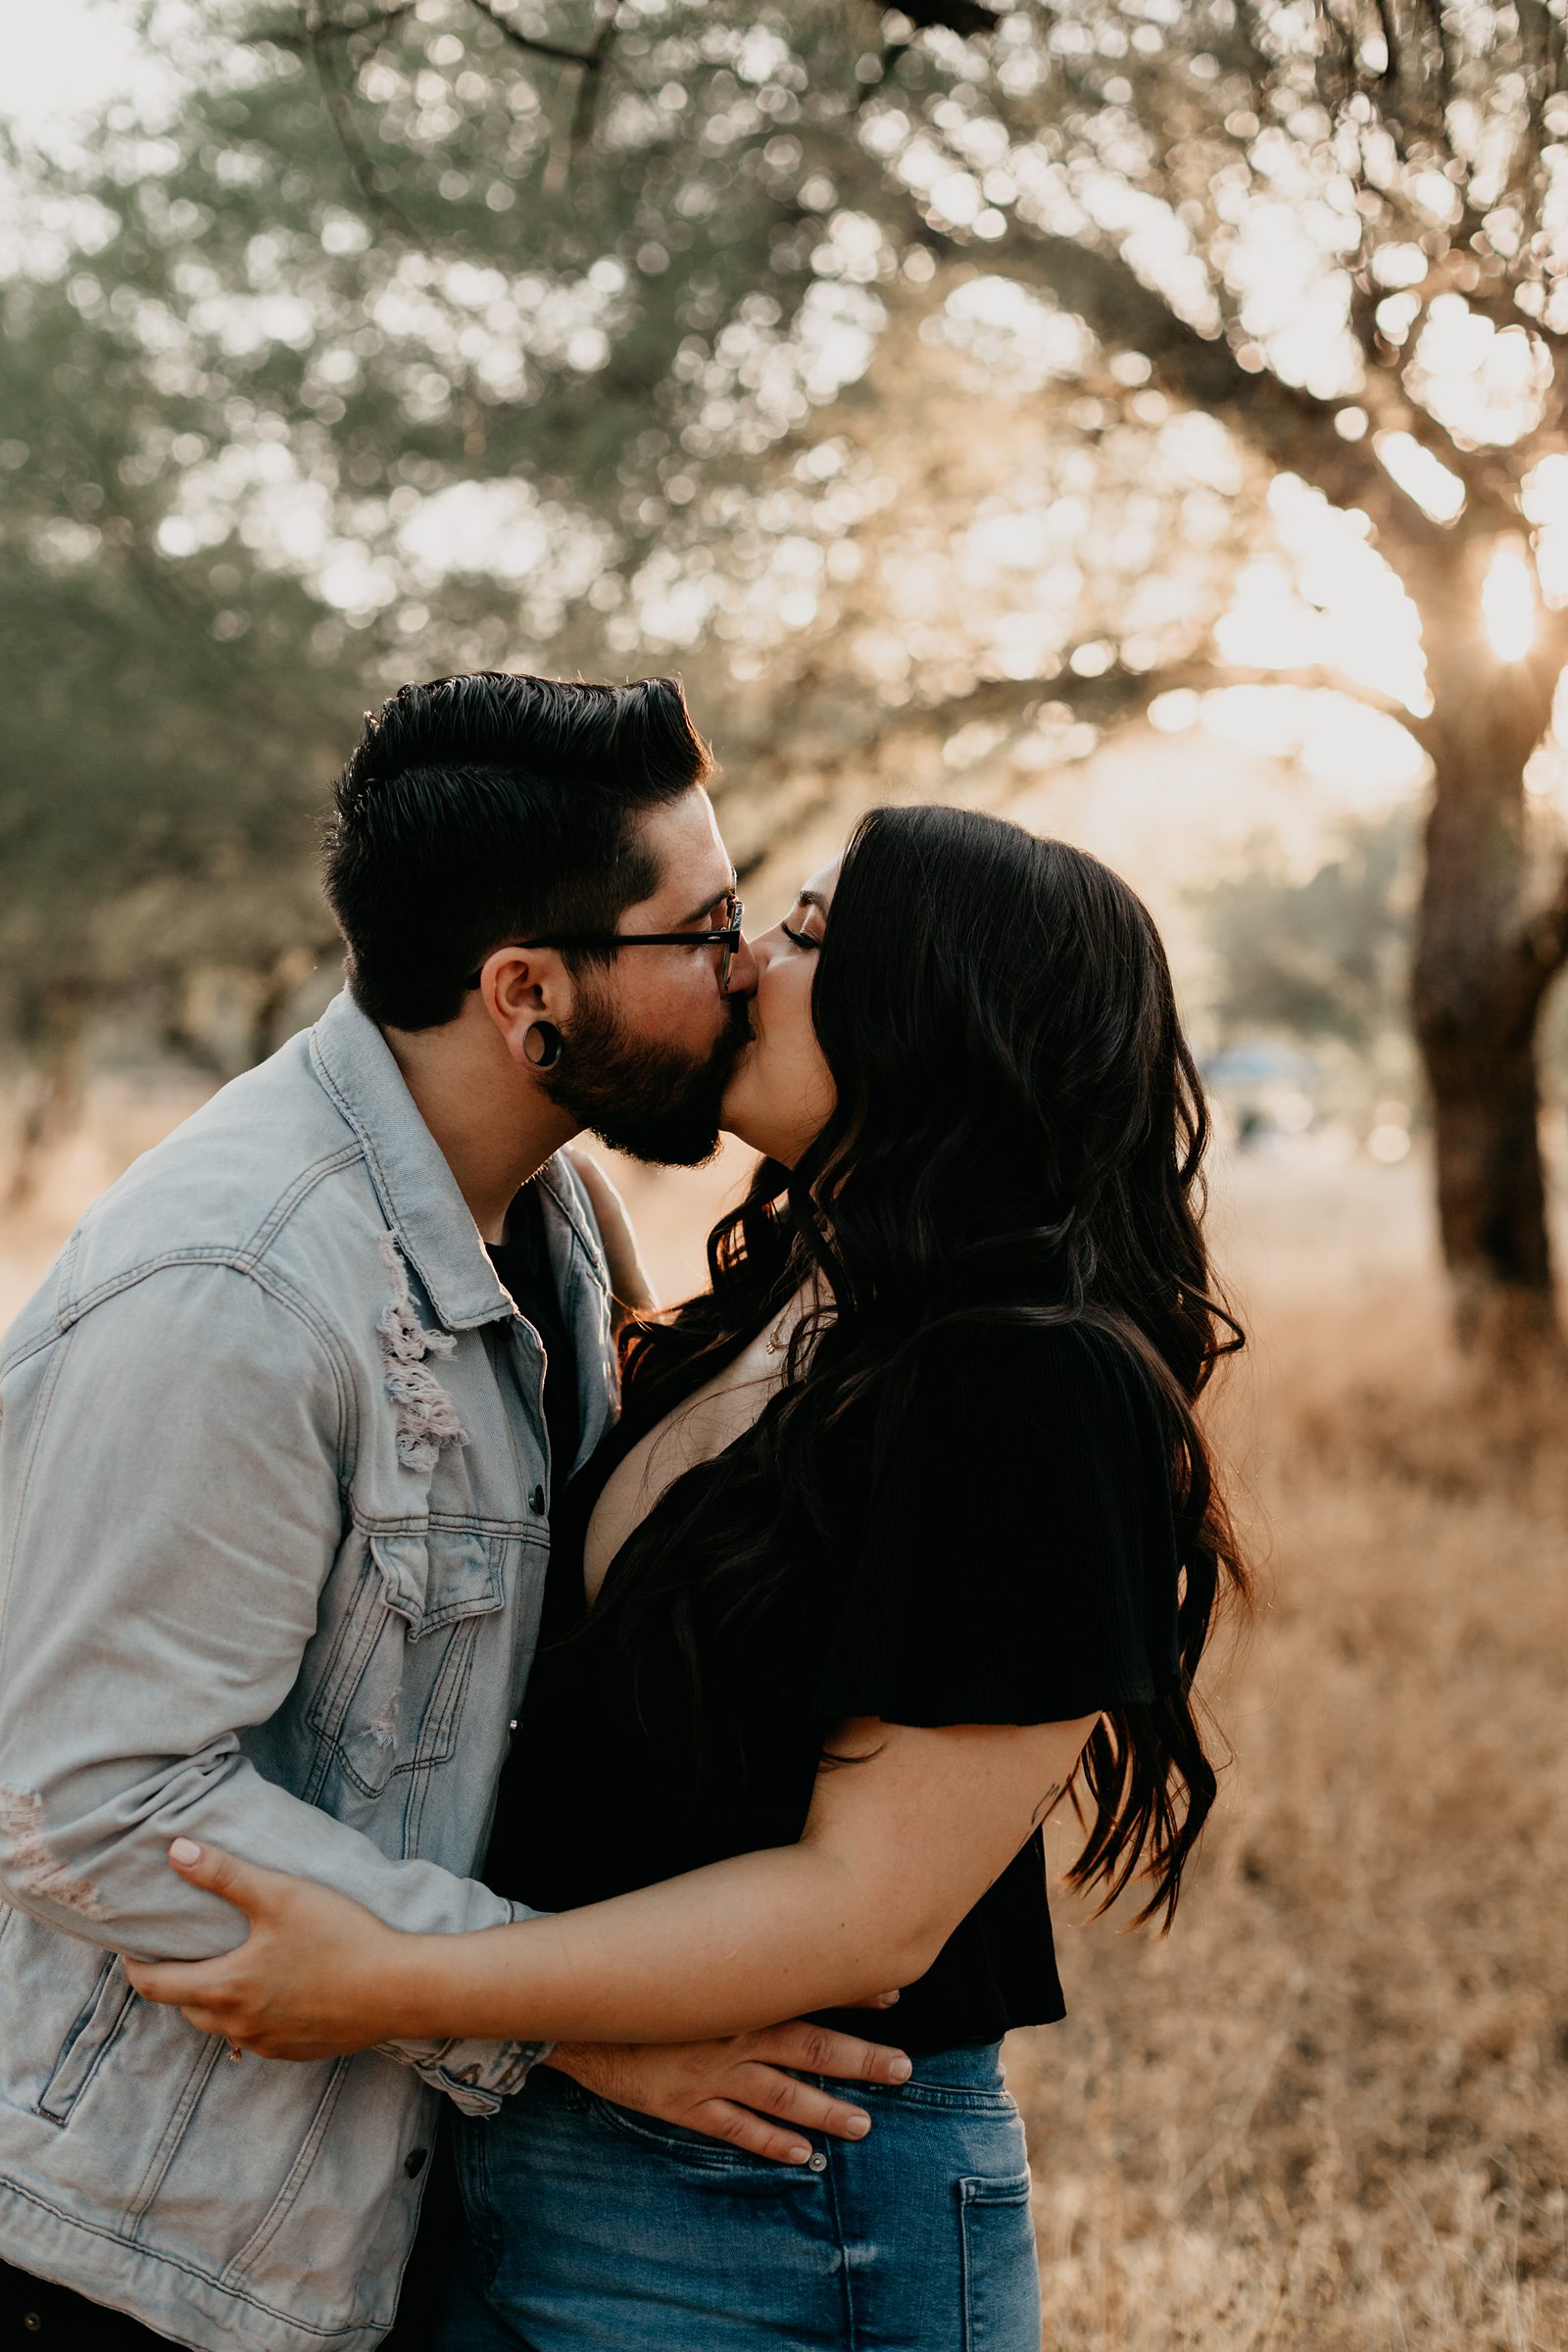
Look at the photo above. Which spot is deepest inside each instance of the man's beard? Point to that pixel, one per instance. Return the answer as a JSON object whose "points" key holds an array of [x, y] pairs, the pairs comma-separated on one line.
{"points": [[642, 1097]]}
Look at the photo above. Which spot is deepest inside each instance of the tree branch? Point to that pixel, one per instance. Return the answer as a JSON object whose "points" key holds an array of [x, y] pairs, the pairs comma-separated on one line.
{"points": [[1293, 428], [1115, 696], [962, 17], [1542, 948], [1120, 693], [379, 23], [367, 178], [564, 155], [589, 59], [1319, 678]]}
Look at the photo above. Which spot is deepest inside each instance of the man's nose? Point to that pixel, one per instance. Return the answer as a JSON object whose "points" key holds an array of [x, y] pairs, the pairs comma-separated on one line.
{"points": [[742, 970]]}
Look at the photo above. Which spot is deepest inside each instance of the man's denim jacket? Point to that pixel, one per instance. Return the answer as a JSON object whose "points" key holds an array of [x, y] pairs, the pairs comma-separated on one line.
{"points": [[273, 1524]]}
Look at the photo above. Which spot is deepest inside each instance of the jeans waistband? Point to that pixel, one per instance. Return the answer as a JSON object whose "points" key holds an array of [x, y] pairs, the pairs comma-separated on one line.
{"points": [[971, 2066]]}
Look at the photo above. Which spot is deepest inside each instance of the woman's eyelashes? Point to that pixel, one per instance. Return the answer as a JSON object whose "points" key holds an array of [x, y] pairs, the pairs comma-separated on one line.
{"points": [[800, 939]]}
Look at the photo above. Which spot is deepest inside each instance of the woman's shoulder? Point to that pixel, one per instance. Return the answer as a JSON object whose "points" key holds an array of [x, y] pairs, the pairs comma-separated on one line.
{"points": [[1040, 1348], [1015, 1382]]}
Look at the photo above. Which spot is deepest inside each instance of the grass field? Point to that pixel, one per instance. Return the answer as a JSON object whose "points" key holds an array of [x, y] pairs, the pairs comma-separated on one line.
{"points": [[1330, 2112]]}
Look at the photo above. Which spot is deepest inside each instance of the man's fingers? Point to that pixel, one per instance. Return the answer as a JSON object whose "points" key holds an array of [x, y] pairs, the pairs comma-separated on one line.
{"points": [[739, 2128], [245, 1884], [818, 2050], [802, 2103]]}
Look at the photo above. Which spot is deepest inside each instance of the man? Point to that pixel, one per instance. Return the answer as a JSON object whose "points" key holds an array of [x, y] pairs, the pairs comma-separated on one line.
{"points": [[278, 1441]]}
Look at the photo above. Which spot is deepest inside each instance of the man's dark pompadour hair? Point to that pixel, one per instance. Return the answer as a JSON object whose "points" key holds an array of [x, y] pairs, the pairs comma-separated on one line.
{"points": [[487, 808]]}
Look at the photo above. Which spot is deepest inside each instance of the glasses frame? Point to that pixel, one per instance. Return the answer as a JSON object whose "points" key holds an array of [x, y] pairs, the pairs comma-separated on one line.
{"points": [[729, 939]]}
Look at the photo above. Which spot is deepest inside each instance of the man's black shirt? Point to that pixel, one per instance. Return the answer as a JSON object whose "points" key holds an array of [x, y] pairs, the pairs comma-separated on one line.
{"points": [[522, 1261]]}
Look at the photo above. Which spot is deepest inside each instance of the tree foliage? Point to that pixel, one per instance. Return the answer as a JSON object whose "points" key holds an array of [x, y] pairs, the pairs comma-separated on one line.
{"points": [[906, 377]]}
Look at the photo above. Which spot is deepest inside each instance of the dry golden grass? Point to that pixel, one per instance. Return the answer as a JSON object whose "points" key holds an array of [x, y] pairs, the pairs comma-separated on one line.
{"points": [[1331, 2110], [1330, 2113]]}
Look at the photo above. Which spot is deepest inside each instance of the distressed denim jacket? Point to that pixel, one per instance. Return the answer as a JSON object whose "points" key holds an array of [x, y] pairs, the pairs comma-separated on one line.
{"points": [[273, 1523]]}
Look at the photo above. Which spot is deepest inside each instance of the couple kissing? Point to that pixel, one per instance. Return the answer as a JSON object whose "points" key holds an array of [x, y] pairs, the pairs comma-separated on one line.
{"points": [[467, 1728]]}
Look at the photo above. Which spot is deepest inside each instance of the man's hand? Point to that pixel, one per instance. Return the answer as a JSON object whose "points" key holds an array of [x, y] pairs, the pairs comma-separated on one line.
{"points": [[727, 2090]]}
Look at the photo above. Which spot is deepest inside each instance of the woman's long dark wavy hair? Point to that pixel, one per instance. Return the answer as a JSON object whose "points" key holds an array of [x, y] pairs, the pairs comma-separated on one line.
{"points": [[1017, 1138]]}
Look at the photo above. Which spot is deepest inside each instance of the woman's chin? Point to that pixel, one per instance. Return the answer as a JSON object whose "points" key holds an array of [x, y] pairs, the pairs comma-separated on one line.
{"points": [[739, 1111], [734, 1121]]}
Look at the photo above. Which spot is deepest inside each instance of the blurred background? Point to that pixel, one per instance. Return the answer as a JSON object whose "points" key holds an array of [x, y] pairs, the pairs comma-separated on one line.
{"points": [[1144, 420]]}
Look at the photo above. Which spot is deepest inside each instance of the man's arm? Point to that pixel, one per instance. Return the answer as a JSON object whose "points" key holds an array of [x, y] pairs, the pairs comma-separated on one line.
{"points": [[170, 1510]]}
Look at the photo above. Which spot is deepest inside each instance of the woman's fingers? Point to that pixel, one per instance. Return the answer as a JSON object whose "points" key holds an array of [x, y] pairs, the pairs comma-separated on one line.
{"points": [[177, 1983], [250, 1889], [206, 2020], [245, 1884], [802, 2103]]}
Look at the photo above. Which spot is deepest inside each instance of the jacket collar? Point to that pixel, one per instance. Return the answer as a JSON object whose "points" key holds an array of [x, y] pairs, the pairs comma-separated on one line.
{"points": [[418, 1190]]}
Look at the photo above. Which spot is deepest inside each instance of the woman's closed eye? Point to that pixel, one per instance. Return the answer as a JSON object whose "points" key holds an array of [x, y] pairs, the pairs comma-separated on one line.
{"points": [[800, 939]]}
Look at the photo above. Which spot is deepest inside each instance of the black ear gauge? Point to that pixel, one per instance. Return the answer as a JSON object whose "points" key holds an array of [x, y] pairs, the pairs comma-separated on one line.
{"points": [[543, 1045]]}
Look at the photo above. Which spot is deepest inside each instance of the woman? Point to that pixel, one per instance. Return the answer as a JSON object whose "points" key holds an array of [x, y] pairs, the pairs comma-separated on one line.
{"points": [[908, 1527]]}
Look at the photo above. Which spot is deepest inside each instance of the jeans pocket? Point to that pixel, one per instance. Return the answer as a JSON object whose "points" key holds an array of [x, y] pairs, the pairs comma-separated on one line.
{"points": [[1000, 2272], [655, 2137]]}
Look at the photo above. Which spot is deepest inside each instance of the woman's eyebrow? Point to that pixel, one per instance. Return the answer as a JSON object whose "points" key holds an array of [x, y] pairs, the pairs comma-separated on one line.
{"points": [[811, 898]]}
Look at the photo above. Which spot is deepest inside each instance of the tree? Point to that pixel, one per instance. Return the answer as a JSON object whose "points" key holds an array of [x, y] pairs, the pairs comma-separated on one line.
{"points": [[611, 263], [1322, 956], [1419, 146], [1142, 167]]}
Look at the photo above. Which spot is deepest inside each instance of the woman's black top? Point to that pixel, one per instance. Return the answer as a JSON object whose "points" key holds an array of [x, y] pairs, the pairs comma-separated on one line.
{"points": [[1010, 1560]]}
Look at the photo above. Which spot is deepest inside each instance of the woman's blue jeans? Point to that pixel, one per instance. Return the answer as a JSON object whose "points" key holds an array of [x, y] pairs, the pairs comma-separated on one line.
{"points": [[592, 2229]]}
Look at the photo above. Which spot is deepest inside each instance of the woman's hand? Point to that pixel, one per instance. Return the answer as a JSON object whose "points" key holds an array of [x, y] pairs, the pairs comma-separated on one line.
{"points": [[313, 1980], [629, 1283]]}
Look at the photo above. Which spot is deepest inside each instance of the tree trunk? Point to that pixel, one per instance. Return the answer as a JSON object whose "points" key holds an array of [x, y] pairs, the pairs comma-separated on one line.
{"points": [[278, 983], [52, 1096], [1477, 984]]}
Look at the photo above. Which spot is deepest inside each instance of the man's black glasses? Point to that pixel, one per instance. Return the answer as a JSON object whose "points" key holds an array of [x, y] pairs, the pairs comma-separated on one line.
{"points": [[729, 939]]}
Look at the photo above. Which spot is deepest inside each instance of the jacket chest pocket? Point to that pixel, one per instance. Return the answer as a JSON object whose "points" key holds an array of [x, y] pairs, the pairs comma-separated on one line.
{"points": [[391, 1695]]}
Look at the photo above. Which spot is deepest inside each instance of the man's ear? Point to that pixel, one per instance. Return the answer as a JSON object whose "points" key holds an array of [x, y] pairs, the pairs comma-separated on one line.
{"points": [[519, 986]]}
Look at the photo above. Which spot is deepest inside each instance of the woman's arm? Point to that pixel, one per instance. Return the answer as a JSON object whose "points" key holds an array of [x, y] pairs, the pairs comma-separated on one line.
{"points": [[899, 1845], [630, 1285]]}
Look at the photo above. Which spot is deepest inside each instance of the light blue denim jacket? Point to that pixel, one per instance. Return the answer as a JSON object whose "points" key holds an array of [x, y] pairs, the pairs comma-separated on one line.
{"points": [[274, 1525]]}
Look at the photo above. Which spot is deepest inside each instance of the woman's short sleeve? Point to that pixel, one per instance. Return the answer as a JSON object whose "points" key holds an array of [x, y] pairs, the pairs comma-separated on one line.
{"points": [[1016, 1562]]}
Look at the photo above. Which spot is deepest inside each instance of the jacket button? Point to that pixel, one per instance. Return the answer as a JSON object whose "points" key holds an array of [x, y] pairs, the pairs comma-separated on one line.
{"points": [[414, 2162], [536, 1501]]}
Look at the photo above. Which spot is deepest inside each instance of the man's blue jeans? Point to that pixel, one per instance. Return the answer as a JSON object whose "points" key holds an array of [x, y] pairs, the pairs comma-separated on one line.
{"points": [[591, 2227]]}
